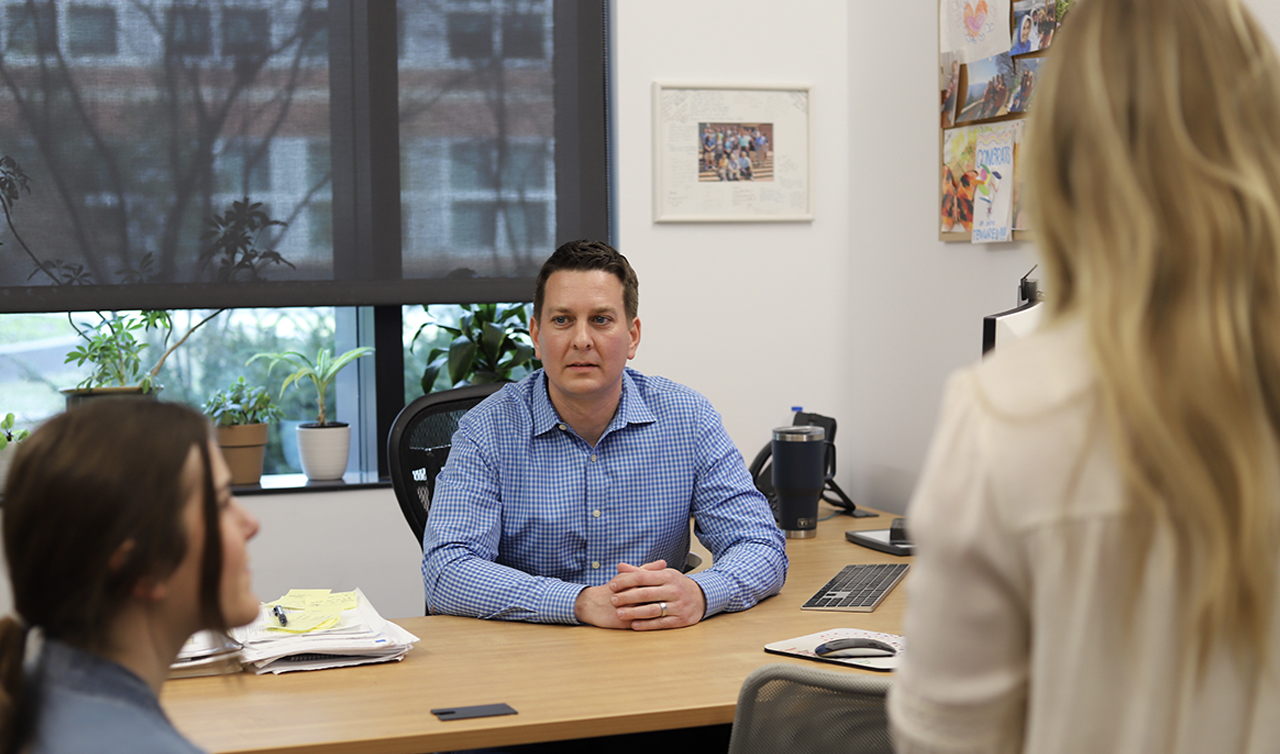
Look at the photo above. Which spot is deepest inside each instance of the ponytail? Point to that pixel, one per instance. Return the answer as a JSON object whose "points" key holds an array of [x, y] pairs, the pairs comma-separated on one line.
{"points": [[16, 703]]}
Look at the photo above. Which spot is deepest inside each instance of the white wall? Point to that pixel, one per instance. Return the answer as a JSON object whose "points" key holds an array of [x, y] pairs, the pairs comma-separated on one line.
{"points": [[859, 314], [339, 541]]}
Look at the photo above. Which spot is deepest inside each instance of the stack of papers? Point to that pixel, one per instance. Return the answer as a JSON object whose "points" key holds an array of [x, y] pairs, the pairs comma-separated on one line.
{"points": [[320, 629], [207, 653]]}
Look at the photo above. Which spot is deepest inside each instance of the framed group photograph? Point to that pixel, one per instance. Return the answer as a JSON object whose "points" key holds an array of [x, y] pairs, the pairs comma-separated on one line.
{"points": [[731, 153]]}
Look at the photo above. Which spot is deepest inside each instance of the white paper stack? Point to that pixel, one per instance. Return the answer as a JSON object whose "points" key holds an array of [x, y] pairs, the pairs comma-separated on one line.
{"points": [[360, 637], [206, 653]]}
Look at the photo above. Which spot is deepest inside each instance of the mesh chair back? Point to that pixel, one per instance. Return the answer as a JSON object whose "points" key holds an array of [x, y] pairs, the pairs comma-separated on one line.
{"points": [[419, 445], [795, 709]]}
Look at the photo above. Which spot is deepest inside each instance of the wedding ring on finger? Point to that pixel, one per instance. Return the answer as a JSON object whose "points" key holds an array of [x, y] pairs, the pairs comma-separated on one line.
{"points": [[663, 605]]}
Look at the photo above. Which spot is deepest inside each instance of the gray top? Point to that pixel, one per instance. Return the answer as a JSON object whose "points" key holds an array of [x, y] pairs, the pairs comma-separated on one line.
{"points": [[91, 704]]}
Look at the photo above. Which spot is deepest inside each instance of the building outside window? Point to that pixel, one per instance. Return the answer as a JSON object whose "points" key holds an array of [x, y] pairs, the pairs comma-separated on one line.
{"points": [[32, 29], [162, 116], [91, 30], [245, 31], [188, 31]]}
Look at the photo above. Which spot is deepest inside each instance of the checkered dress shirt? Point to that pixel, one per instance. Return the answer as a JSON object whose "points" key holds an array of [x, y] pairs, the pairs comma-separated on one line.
{"points": [[526, 514]]}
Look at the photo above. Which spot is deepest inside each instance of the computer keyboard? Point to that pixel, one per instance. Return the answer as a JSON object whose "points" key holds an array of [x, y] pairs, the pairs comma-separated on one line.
{"points": [[858, 588]]}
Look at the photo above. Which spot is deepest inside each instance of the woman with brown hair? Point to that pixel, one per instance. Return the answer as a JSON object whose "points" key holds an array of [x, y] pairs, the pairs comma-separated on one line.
{"points": [[1098, 523], [122, 539]]}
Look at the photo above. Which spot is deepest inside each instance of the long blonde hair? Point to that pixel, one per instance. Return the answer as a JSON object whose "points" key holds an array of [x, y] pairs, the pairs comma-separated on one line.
{"points": [[1153, 169]]}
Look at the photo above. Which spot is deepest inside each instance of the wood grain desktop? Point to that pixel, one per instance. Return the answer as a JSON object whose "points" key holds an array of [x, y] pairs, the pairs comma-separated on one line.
{"points": [[563, 681]]}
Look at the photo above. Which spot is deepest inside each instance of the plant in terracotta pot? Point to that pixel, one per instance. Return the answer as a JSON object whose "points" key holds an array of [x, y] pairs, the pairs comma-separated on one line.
{"points": [[9, 439], [322, 445], [241, 414]]}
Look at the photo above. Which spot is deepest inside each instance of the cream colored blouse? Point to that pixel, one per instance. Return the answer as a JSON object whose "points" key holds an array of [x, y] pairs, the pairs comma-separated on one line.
{"points": [[1016, 628]]}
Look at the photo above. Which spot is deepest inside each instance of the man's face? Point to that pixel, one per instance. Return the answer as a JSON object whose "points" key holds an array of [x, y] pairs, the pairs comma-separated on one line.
{"points": [[584, 338]]}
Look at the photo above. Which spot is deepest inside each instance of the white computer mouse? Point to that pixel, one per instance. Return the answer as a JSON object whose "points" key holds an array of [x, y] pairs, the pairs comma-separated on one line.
{"points": [[854, 647]]}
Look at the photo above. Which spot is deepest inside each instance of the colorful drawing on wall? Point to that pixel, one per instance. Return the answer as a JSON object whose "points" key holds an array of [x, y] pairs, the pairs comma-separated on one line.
{"points": [[1020, 219], [1028, 73], [949, 82], [958, 177], [993, 186], [735, 152], [990, 87], [973, 29]]}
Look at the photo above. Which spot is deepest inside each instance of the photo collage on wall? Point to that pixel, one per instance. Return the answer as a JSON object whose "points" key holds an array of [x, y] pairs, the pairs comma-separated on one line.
{"points": [[988, 64]]}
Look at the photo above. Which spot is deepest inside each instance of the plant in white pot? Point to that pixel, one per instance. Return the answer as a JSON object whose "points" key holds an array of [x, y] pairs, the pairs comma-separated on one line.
{"points": [[241, 414], [322, 445], [9, 439]]}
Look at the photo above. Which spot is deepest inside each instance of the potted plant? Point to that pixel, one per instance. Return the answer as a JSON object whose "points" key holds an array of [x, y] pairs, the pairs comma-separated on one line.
{"points": [[240, 414], [322, 445], [9, 439], [235, 251], [113, 348], [490, 344]]}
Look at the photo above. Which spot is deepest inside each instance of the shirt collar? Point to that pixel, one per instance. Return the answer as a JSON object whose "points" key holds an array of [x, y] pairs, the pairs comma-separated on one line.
{"points": [[631, 409], [91, 674]]}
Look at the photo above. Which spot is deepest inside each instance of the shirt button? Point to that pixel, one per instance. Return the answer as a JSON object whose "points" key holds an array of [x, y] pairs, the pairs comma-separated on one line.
{"points": [[595, 564], [562, 427], [593, 457], [596, 513]]}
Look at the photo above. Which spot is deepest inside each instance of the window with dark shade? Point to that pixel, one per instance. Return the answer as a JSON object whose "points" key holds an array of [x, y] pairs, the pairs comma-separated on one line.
{"points": [[91, 30], [522, 36], [245, 31], [413, 153], [32, 28], [470, 35], [189, 31]]}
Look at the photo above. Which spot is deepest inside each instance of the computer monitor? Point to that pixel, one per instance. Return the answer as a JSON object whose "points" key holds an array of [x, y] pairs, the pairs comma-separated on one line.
{"points": [[1008, 326]]}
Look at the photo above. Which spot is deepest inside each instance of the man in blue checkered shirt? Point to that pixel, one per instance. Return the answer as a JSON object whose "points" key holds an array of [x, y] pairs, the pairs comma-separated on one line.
{"points": [[567, 496]]}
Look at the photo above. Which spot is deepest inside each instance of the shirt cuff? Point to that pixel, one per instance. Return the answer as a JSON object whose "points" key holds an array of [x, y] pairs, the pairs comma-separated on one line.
{"points": [[717, 589], [558, 601]]}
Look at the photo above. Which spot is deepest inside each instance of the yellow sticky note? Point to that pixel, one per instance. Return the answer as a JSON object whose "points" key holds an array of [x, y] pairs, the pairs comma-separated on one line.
{"points": [[298, 599], [311, 619], [336, 601]]}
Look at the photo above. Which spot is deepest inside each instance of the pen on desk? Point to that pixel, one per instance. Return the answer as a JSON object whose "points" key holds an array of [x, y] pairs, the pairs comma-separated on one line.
{"points": [[279, 613]]}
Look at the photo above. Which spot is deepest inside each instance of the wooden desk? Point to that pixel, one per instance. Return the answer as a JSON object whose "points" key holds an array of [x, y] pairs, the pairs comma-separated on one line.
{"points": [[565, 681]]}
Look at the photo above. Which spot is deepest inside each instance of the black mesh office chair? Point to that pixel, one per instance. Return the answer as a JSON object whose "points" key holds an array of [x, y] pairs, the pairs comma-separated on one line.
{"points": [[419, 445], [802, 710]]}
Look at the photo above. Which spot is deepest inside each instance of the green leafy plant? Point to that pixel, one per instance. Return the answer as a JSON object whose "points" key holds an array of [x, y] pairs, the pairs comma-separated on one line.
{"points": [[113, 348], [112, 345], [321, 371], [8, 434], [242, 403], [490, 344]]}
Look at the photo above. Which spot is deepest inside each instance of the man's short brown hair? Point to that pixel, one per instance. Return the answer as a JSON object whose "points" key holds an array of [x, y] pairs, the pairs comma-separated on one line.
{"points": [[589, 255]]}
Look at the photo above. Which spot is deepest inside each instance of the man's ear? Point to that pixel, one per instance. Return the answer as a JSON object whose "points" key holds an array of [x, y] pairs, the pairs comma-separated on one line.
{"points": [[533, 335], [635, 338]]}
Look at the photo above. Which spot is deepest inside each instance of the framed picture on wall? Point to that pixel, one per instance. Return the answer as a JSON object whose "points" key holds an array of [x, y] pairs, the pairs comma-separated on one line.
{"points": [[731, 153]]}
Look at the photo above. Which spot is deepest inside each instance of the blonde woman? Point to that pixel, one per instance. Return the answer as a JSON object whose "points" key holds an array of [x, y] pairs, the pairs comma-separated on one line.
{"points": [[1096, 525]]}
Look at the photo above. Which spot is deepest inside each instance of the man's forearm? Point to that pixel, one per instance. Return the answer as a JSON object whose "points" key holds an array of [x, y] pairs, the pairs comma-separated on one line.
{"points": [[463, 584]]}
